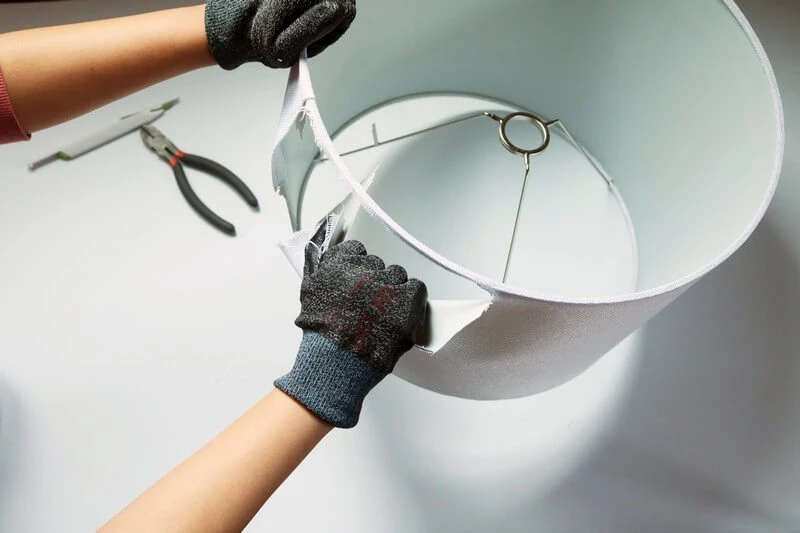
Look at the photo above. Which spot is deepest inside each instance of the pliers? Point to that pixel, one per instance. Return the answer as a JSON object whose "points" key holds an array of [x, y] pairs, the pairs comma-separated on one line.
{"points": [[161, 145]]}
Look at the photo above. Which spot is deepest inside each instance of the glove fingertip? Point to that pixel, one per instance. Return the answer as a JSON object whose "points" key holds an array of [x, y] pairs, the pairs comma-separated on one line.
{"points": [[353, 247], [336, 33], [312, 27], [374, 262], [396, 274], [417, 286]]}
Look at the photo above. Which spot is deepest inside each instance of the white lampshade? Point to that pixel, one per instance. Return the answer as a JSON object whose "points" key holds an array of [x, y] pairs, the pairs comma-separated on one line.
{"points": [[675, 103]]}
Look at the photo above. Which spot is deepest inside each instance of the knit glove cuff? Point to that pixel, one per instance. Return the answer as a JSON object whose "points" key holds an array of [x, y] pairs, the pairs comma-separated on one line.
{"points": [[329, 381]]}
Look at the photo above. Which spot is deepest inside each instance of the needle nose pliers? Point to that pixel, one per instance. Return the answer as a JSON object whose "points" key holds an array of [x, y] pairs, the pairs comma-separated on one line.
{"points": [[161, 145]]}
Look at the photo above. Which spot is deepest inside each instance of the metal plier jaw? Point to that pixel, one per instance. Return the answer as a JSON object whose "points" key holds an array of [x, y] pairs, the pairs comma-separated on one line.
{"points": [[158, 142], [166, 150]]}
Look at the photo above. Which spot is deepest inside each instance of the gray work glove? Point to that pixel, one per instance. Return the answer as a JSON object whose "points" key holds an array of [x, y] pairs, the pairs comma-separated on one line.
{"points": [[358, 317], [273, 32]]}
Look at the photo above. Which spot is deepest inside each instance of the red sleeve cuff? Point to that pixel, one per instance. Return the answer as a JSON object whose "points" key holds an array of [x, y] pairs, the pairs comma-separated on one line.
{"points": [[10, 128]]}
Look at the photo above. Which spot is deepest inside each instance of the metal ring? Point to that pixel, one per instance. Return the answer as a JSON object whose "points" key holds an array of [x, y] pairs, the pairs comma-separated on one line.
{"points": [[540, 125]]}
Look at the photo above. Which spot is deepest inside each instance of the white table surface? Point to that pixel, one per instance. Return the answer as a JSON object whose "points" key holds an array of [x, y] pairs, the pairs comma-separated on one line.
{"points": [[131, 333]]}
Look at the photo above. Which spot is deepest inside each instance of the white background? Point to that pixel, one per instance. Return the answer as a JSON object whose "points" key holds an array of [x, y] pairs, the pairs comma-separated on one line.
{"points": [[131, 333]]}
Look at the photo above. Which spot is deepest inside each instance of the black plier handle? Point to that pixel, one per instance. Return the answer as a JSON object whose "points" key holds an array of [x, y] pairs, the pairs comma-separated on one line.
{"points": [[161, 145]]}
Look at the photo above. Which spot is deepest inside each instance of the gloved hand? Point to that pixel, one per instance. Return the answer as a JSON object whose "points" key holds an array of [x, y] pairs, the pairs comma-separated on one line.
{"points": [[358, 317], [274, 32]]}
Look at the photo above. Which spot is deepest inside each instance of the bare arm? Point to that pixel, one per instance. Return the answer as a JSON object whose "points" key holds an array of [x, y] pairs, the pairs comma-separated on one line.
{"points": [[358, 317], [57, 73], [223, 485]]}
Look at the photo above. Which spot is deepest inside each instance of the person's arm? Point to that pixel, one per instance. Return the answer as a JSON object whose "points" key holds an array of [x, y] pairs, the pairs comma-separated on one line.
{"points": [[223, 485], [358, 317], [57, 73]]}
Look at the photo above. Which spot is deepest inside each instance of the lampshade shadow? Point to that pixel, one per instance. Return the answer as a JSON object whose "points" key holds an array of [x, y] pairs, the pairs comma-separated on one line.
{"points": [[706, 437]]}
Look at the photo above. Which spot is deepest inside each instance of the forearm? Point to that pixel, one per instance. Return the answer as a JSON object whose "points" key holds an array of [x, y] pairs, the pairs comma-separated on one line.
{"points": [[223, 485], [57, 73]]}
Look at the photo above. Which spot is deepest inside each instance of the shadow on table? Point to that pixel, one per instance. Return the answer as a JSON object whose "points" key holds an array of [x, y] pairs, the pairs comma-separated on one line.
{"points": [[706, 438]]}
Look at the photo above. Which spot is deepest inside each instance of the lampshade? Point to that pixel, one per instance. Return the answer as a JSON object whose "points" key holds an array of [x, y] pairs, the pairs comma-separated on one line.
{"points": [[656, 149]]}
